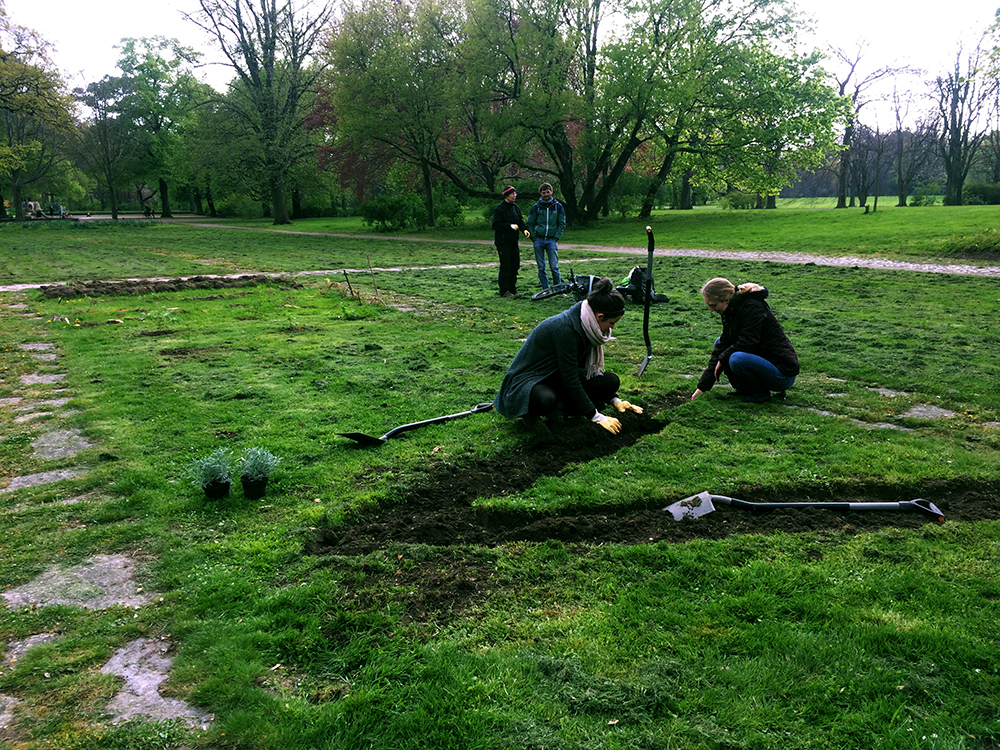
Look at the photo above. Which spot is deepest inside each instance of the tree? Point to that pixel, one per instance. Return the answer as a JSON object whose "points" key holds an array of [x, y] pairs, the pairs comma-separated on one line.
{"points": [[162, 93], [34, 109], [270, 47], [855, 87], [912, 149], [962, 97], [108, 141]]}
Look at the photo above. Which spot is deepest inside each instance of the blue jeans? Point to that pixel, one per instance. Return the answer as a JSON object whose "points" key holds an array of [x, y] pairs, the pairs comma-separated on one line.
{"points": [[551, 249], [754, 375]]}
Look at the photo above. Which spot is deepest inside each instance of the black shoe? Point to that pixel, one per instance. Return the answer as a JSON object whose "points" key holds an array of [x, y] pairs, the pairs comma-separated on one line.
{"points": [[756, 398], [779, 394]]}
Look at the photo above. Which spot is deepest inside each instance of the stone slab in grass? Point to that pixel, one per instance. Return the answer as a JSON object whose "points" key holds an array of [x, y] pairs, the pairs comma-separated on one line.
{"points": [[42, 477], [926, 411], [100, 582], [60, 444], [144, 664], [42, 379]]}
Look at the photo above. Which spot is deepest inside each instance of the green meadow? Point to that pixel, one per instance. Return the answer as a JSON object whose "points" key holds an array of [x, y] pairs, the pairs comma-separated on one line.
{"points": [[853, 634]]}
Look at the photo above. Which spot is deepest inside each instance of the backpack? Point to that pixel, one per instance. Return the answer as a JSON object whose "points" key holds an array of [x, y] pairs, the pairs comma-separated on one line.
{"points": [[633, 287]]}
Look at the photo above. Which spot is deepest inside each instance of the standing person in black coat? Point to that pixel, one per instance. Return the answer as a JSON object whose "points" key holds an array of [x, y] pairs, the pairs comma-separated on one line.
{"points": [[507, 222], [753, 350]]}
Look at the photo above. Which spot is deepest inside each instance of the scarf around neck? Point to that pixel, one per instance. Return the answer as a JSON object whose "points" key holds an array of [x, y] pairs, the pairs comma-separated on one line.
{"points": [[595, 357]]}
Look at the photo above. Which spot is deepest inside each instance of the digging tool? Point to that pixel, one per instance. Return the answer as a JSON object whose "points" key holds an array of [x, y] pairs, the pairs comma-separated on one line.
{"points": [[364, 439], [648, 298], [704, 503]]}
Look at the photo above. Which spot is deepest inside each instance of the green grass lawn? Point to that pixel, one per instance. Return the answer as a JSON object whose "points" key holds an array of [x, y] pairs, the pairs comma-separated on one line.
{"points": [[830, 637]]}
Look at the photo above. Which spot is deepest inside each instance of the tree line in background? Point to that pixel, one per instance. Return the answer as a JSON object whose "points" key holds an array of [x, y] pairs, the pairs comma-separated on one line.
{"points": [[414, 108]]}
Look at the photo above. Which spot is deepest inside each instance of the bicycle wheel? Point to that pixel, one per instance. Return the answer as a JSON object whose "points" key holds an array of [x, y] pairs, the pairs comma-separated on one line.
{"points": [[552, 291]]}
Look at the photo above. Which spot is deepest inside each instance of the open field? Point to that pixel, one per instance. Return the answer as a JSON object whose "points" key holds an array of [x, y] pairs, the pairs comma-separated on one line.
{"points": [[473, 584]]}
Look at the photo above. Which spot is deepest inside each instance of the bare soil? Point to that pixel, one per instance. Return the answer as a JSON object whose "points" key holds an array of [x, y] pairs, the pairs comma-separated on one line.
{"points": [[439, 512], [148, 286]]}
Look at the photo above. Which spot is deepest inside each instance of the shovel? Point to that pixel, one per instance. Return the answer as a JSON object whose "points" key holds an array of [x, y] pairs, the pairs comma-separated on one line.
{"points": [[648, 297], [703, 503], [364, 439]]}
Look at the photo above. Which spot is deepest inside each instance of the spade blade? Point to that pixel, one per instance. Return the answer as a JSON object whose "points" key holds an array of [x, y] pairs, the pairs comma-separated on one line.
{"points": [[691, 507]]}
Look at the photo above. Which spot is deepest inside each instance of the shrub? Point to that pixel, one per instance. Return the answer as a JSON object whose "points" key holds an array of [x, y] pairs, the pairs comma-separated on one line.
{"points": [[392, 213], [257, 463], [738, 200], [981, 193]]}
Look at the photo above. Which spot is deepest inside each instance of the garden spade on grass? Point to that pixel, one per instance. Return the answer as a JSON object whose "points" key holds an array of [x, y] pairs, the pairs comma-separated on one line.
{"points": [[648, 298], [704, 503], [364, 439]]}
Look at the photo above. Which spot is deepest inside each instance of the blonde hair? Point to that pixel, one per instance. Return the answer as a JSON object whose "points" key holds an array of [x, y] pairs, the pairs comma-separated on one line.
{"points": [[718, 290], [722, 290]]}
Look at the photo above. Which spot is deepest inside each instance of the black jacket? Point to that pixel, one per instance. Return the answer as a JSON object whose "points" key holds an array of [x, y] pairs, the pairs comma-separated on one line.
{"points": [[504, 215], [748, 325]]}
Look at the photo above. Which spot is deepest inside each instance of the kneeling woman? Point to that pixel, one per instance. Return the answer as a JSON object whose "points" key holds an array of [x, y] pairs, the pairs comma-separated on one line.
{"points": [[561, 364], [753, 350]]}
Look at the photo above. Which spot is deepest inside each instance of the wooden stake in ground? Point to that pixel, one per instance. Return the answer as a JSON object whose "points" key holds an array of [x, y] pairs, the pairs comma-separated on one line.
{"points": [[372, 272], [349, 287]]}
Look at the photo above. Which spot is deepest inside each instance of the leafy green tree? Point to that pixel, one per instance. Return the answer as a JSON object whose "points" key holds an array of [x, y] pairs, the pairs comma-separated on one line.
{"points": [[270, 47], [163, 91], [109, 141], [34, 110]]}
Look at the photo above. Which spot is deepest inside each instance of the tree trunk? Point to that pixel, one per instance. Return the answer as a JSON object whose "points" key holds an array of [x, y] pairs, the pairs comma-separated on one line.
{"points": [[425, 169], [687, 199], [164, 201], [656, 184], [296, 204], [278, 203], [772, 202], [211, 202]]}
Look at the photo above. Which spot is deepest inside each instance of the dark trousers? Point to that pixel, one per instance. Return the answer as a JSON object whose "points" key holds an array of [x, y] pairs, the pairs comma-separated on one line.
{"points": [[510, 259], [551, 393]]}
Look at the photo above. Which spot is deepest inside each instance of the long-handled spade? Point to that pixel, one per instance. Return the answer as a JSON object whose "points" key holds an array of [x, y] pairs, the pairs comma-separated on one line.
{"points": [[704, 503], [648, 298], [364, 439]]}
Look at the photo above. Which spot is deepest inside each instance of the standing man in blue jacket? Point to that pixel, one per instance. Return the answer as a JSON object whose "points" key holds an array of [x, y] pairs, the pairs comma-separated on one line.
{"points": [[547, 222]]}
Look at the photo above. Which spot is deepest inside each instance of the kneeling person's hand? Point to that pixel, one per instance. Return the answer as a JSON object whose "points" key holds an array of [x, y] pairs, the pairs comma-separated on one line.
{"points": [[610, 424], [624, 406]]}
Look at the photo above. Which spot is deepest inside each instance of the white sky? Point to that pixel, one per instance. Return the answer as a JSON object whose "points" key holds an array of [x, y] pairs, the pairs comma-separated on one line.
{"points": [[898, 32], [84, 35]]}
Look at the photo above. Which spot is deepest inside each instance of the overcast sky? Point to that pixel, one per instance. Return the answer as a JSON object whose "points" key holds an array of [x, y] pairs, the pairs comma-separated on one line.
{"points": [[919, 34]]}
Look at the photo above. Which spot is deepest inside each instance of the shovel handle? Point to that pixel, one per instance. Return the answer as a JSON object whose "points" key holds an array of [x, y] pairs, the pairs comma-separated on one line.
{"points": [[477, 409], [917, 506]]}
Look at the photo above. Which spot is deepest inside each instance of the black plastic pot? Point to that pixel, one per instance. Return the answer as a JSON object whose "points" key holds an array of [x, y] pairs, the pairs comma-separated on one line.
{"points": [[254, 489], [216, 490]]}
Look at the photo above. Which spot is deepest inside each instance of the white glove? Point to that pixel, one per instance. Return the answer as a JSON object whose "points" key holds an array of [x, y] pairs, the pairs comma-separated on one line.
{"points": [[610, 424], [623, 406], [513, 226]]}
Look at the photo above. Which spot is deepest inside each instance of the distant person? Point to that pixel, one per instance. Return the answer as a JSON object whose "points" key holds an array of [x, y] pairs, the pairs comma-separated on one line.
{"points": [[507, 223], [547, 222], [561, 365], [752, 351]]}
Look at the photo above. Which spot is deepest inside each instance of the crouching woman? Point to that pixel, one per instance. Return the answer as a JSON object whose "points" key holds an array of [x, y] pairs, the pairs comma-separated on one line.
{"points": [[753, 350], [561, 364]]}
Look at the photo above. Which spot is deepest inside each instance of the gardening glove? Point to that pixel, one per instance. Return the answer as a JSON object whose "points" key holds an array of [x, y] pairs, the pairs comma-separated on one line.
{"points": [[514, 227], [624, 406], [610, 424], [527, 233]]}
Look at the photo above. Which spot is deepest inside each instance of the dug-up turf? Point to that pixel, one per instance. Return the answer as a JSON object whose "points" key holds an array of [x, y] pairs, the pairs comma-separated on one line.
{"points": [[76, 289], [438, 511]]}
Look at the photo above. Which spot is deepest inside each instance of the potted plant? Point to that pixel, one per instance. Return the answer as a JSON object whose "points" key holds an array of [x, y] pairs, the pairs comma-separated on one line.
{"points": [[256, 465], [213, 473]]}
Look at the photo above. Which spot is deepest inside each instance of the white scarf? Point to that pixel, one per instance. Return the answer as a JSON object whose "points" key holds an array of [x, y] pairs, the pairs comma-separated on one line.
{"points": [[595, 357]]}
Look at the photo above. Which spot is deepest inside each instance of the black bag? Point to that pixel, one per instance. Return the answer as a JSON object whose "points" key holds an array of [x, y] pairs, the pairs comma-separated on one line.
{"points": [[635, 288]]}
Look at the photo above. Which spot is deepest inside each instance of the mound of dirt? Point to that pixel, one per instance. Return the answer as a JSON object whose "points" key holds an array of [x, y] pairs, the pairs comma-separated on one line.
{"points": [[148, 286], [439, 510]]}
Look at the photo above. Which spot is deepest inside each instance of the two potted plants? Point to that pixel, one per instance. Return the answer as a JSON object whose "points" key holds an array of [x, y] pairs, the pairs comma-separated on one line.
{"points": [[214, 472]]}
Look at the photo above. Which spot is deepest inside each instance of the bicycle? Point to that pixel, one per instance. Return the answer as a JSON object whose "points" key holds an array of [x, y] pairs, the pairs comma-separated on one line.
{"points": [[579, 289]]}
